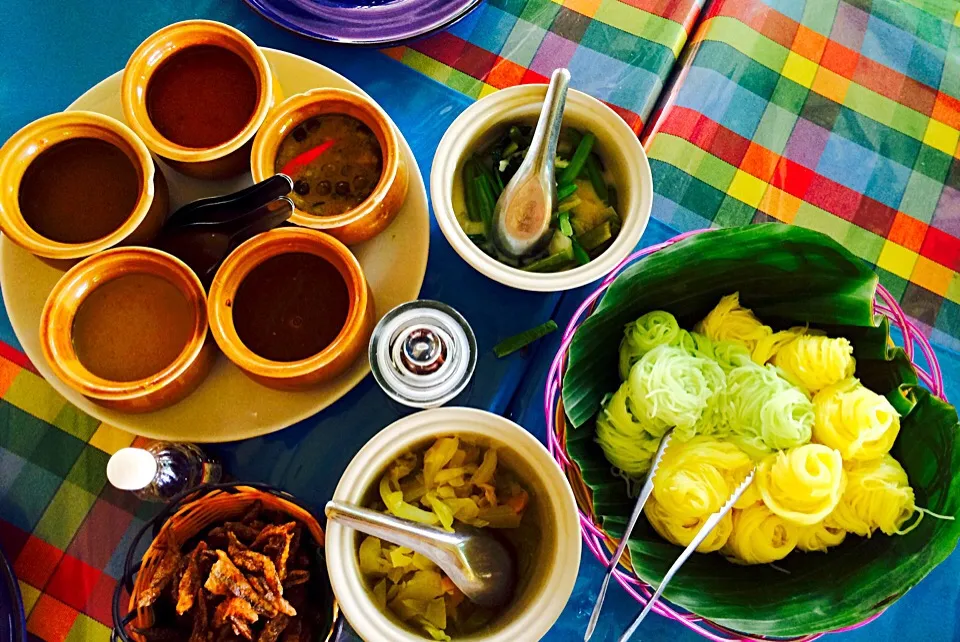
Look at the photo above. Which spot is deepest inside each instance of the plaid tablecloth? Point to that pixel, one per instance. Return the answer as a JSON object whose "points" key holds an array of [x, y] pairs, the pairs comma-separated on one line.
{"points": [[842, 116], [620, 51]]}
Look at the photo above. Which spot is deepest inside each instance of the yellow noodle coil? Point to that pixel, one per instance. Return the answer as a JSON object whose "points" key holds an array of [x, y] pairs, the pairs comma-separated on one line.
{"points": [[856, 421], [878, 496], [731, 322], [820, 536], [759, 536], [681, 530], [696, 477], [768, 346], [816, 362], [803, 484], [694, 480]]}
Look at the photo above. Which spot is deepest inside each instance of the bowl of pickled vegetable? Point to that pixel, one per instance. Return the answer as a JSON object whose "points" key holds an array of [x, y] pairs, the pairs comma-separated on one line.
{"points": [[603, 182], [451, 467]]}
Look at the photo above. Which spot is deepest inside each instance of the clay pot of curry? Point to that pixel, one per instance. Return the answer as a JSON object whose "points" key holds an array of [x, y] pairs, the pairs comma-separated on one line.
{"points": [[344, 156], [127, 328], [291, 308], [76, 183], [196, 92]]}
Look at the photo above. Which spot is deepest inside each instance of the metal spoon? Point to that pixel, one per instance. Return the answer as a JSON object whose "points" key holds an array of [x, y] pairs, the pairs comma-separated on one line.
{"points": [[521, 218], [705, 530], [478, 563], [645, 493]]}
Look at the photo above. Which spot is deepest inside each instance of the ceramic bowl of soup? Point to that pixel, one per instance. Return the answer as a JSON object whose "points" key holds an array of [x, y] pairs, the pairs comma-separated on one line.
{"points": [[624, 167], [127, 328], [291, 308], [196, 92], [535, 516], [75, 183], [343, 154]]}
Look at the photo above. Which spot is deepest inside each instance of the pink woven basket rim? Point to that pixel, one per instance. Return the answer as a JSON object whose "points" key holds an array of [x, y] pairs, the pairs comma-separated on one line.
{"points": [[595, 538]]}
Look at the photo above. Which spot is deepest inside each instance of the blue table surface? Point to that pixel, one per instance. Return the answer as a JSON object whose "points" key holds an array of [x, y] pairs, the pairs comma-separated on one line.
{"points": [[53, 51]]}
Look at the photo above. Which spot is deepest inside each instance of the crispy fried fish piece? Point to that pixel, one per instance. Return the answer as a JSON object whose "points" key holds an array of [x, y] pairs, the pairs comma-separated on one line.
{"points": [[279, 538], [234, 544], [245, 532], [293, 631], [238, 614], [201, 618], [190, 581], [226, 579], [260, 563], [162, 576], [155, 634], [253, 512], [273, 629], [299, 576]]}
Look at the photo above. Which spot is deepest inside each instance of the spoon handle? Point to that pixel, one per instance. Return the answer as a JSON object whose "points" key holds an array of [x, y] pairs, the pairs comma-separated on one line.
{"points": [[543, 146], [222, 209], [702, 534], [421, 538], [645, 493]]}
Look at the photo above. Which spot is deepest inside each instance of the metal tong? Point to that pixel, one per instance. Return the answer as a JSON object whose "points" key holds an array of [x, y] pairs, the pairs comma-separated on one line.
{"points": [[702, 534], [203, 233]]}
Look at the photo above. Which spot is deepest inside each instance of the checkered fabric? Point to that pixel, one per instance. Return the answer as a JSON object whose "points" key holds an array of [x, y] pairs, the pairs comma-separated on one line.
{"points": [[620, 51], [840, 116], [63, 527]]}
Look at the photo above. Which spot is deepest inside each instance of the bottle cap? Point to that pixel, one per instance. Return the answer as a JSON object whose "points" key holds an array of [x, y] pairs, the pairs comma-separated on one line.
{"points": [[423, 353], [131, 468]]}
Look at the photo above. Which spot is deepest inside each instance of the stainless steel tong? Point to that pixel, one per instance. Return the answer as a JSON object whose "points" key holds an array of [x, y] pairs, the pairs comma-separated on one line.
{"points": [[702, 534]]}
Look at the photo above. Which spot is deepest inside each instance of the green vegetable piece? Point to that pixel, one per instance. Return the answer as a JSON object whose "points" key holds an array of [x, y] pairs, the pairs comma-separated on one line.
{"points": [[485, 199], [552, 262], [568, 204], [612, 196], [595, 174], [565, 191], [596, 237], [517, 136], [573, 170], [579, 253], [509, 150], [474, 228], [564, 220], [469, 190], [493, 177], [525, 338]]}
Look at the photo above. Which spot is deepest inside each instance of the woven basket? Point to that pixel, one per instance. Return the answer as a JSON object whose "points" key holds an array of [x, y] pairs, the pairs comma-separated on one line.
{"points": [[600, 543], [184, 518]]}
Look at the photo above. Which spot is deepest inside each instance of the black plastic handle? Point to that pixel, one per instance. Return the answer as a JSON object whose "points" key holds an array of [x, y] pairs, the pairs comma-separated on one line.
{"points": [[223, 209]]}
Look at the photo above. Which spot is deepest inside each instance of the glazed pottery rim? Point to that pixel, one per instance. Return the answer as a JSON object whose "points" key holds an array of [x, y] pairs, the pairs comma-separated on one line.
{"points": [[281, 121], [63, 125], [133, 90], [369, 463], [239, 265], [267, 10], [76, 375], [523, 101]]}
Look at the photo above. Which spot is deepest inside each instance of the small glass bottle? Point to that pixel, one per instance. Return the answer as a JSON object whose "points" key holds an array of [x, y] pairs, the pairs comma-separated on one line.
{"points": [[423, 353], [162, 470]]}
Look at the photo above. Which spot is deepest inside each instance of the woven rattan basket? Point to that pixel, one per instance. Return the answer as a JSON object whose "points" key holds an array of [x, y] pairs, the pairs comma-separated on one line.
{"points": [[600, 543], [184, 518]]}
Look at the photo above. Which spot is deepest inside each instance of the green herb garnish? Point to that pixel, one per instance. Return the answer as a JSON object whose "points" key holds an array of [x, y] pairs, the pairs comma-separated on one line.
{"points": [[525, 338]]}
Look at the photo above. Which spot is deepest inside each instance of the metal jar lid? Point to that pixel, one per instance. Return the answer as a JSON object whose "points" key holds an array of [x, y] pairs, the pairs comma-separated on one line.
{"points": [[423, 353]]}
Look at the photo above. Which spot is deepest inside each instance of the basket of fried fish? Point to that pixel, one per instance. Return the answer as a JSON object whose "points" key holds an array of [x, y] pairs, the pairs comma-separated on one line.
{"points": [[230, 562]]}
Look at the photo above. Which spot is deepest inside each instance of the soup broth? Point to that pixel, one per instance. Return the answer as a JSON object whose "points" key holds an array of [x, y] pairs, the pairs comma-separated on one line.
{"points": [[79, 190], [202, 96], [339, 178], [291, 306], [132, 327]]}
